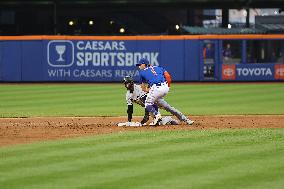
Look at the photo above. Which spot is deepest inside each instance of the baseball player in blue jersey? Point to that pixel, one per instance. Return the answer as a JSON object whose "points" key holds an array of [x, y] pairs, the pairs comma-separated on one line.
{"points": [[135, 94], [156, 78]]}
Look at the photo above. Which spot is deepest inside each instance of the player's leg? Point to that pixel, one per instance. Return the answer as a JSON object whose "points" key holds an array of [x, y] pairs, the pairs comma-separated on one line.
{"points": [[156, 107], [150, 107], [169, 121], [155, 93], [165, 105], [150, 101]]}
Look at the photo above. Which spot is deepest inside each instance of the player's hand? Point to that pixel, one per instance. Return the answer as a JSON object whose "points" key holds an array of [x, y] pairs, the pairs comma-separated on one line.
{"points": [[145, 119], [145, 87]]}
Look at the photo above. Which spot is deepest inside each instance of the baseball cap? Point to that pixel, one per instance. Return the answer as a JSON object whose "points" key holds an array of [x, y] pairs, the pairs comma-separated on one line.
{"points": [[143, 61]]}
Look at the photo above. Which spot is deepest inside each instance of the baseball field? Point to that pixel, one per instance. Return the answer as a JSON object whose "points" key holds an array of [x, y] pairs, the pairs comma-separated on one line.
{"points": [[65, 136]]}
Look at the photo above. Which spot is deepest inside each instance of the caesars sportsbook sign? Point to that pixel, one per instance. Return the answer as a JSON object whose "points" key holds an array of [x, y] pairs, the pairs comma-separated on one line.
{"points": [[96, 60]]}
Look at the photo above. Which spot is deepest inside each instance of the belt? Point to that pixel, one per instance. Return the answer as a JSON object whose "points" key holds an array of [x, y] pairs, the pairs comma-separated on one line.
{"points": [[160, 84]]}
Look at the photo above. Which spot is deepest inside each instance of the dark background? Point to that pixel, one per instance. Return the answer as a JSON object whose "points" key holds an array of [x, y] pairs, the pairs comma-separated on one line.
{"points": [[138, 17]]}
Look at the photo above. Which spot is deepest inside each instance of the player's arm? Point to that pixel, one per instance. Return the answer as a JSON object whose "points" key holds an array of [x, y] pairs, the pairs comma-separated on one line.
{"points": [[129, 112], [146, 114], [129, 106], [168, 77], [143, 83], [146, 117]]}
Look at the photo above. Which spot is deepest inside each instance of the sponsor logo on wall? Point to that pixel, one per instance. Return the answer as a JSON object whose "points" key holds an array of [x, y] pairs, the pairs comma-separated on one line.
{"points": [[279, 71], [94, 59], [228, 72], [60, 53], [254, 72]]}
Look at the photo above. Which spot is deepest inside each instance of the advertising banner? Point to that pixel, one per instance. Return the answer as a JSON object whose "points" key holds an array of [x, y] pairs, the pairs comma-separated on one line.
{"points": [[249, 72], [98, 59], [228, 72], [95, 60], [279, 71], [106, 60], [254, 72], [10, 61]]}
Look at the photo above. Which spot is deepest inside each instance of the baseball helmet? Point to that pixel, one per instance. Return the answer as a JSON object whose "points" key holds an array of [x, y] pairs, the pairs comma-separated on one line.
{"points": [[143, 61], [127, 79], [128, 82]]}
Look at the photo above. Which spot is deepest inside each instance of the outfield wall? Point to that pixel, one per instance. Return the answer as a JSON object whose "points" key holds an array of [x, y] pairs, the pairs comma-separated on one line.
{"points": [[110, 58]]}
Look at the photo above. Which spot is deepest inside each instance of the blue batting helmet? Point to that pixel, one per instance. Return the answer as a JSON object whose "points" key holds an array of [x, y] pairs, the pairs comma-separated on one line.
{"points": [[143, 61]]}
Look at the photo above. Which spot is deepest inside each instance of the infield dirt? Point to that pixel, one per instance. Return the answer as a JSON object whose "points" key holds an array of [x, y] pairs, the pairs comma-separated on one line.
{"points": [[28, 130]]}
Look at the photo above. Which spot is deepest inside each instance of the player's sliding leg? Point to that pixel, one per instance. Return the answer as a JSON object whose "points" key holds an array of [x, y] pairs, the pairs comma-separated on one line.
{"points": [[168, 120], [165, 105]]}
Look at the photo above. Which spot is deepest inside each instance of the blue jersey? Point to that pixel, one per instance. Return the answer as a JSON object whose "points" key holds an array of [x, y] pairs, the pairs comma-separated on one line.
{"points": [[152, 75]]}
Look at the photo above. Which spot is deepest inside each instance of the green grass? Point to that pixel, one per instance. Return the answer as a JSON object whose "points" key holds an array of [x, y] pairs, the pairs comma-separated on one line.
{"points": [[227, 158], [22, 100]]}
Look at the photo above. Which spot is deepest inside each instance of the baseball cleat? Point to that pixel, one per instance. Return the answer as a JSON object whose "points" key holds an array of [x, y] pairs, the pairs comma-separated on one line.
{"points": [[189, 122], [157, 120]]}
